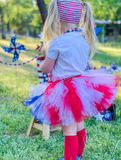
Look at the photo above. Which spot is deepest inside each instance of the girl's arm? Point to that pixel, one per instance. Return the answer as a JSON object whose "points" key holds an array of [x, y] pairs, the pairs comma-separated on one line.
{"points": [[47, 65]]}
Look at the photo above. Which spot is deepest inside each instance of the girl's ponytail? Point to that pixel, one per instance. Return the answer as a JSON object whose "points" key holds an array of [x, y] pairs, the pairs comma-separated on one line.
{"points": [[50, 29], [87, 23]]}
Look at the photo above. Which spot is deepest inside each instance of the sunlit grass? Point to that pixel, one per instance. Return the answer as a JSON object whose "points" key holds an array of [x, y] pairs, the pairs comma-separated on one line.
{"points": [[103, 139], [106, 55]]}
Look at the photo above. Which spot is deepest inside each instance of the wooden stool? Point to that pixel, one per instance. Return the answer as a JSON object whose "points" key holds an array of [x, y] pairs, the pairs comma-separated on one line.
{"points": [[35, 123], [46, 129]]}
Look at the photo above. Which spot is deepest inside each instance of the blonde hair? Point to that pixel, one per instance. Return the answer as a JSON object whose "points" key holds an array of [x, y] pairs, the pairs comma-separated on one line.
{"points": [[52, 24], [52, 27], [87, 23]]}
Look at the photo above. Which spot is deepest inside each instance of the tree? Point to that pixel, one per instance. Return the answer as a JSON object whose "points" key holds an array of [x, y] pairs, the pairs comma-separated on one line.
{"points": [[2, 21], [3, 27], [21, 15], [42, 9], [107, 10]]}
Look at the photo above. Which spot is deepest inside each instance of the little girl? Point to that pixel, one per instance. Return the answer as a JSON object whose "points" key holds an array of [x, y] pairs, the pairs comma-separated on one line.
{"points": [[73, 95]]}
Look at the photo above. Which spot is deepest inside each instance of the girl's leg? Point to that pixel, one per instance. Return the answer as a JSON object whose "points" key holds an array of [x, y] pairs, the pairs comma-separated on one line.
{"points": [[81, 134], [71, 142]]}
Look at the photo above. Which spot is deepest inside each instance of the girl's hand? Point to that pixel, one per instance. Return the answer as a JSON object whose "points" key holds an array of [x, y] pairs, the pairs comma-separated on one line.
{"points": [[47, 65]]}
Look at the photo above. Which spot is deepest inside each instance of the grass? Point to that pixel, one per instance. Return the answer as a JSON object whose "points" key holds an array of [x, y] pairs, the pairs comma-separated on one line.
{"points": [[103, 139], [108, 53]]}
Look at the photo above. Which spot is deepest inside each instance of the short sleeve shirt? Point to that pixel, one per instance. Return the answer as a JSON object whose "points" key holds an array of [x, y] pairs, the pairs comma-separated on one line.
{"points": [[71, 51], [53, 50]]}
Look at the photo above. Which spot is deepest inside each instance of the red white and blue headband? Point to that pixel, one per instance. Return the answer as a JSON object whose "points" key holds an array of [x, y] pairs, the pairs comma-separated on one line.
{"points": [[70, 11]]}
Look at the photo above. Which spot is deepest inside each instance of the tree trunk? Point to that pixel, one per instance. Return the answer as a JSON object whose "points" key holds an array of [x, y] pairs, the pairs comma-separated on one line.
{"points": [[34, 33], [8, 26], [3, 27], [42, 9], [103, 34], [116, 32]]}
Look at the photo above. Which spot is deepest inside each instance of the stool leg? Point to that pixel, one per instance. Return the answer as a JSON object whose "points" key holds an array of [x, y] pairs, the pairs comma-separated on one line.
{"points": [[46, 131], [30, 128]]}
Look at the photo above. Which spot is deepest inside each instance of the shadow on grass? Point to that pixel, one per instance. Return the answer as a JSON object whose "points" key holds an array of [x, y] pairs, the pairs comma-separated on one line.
{"points": [[31, 67], [113, 45], [106, 59]]}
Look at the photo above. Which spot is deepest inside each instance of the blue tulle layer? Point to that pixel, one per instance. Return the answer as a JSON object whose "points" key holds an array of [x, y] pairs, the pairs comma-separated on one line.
{"points": [[32, 100]]}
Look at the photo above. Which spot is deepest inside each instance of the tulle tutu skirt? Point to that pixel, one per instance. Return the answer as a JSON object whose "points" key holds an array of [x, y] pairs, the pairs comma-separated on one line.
{"points": [[73, 99]]}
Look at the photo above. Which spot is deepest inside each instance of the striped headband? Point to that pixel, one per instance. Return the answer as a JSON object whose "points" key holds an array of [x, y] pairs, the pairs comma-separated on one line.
{"points": [[70, 11]]}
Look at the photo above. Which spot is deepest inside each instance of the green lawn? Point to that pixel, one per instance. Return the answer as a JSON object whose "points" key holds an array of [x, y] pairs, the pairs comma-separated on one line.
{"points": [[103, 139]]}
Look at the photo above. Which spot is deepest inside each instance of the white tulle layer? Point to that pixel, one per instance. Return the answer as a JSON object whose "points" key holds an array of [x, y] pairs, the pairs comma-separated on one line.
{"points": [[88, 96]]}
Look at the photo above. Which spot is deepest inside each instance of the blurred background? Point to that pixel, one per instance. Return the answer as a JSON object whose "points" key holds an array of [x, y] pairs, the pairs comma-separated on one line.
{"points": [[26, 17]]}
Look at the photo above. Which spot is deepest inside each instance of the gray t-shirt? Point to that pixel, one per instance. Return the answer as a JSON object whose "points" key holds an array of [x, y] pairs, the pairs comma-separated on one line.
{"points": [[71, 52]]}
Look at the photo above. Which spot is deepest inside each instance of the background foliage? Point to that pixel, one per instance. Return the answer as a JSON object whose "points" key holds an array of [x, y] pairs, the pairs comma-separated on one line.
{"points": [[108, 10], [24, 14], [103, 139]]}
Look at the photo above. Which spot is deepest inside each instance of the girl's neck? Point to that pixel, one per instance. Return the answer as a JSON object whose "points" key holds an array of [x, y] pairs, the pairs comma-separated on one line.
{"points": [[66, 26]]}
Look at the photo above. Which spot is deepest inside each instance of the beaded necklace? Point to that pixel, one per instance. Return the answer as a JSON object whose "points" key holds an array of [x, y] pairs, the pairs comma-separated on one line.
{"points": [[74, 30]]}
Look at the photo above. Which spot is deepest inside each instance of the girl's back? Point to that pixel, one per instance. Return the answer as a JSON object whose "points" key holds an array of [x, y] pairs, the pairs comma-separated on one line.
{"points": [[71, 51]]}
